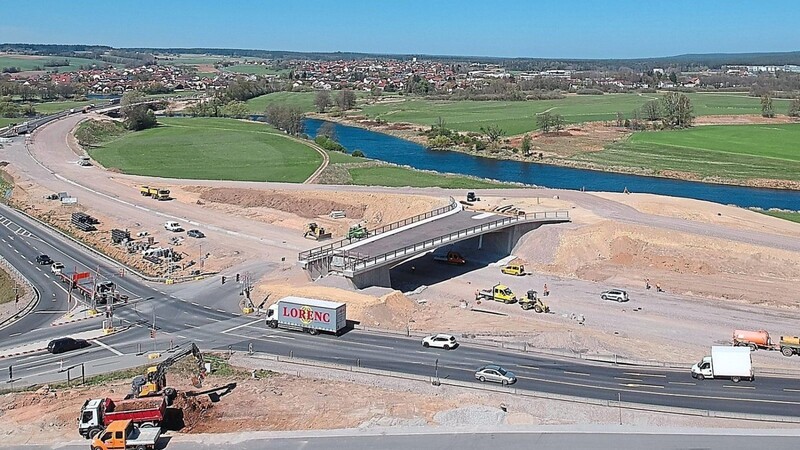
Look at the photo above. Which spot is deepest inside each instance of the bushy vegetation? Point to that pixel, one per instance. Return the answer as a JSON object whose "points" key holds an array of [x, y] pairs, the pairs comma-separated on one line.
{"points": [[94, 132]]}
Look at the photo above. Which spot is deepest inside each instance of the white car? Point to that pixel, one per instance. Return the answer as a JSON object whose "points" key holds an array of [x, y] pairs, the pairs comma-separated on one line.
{"points": [[444, 341], [57, 267], [173, 226]]}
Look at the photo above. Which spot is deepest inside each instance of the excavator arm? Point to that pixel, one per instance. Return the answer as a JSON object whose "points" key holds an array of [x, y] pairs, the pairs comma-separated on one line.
{"points": [[156, 378]]}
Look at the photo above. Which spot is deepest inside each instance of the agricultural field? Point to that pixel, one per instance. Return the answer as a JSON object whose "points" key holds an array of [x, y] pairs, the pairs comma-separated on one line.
{"points": [[728, 151], [520, 117], [302, 100], [27, 63], [400, 177], [5, 120], [190, 59], [54, 107], [211, 149]]}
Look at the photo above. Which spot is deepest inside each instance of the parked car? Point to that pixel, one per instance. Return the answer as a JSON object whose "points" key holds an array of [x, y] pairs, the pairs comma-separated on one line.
{"points": [[195, 234], [495, 374], [66, 344], [44, 260], [444, 341], [57, 267], [173, 226], [617, 295]]}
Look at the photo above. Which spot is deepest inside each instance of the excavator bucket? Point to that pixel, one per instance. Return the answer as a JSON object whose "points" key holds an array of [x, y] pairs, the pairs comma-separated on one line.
{"points": [[197, 382]]}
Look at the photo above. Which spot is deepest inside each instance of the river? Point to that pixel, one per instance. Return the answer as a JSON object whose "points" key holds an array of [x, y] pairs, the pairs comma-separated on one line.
{"points": [[400, 151]]}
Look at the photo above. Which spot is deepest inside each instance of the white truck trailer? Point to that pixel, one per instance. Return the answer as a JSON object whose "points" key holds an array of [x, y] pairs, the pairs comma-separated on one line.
{"points": [[308, 315], [733, 363]]}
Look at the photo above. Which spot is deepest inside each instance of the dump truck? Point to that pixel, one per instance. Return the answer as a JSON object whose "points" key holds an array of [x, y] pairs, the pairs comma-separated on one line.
{"points": [[754, 339], [733, 363], [532, 301], [123, 435], [790, 345], [451, 257], [308, 315], [316, 232], [498, 293], [100, 412], [144, 191]]}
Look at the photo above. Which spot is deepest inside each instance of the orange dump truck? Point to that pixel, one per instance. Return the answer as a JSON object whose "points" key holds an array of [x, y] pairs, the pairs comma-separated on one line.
{"points": [[753, 339]]}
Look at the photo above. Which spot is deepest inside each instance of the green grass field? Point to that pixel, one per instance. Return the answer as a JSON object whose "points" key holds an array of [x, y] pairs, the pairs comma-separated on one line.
{"points": [[54, 107], [211, 149], [255, 69], [5, 120], [520, 117], [790, 216], [26, 63], [730, 151], [401, 176], [303, 100]]}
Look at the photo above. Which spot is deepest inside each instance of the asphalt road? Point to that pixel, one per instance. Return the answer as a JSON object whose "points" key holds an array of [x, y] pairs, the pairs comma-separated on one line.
{"points": [[625, 439], [182, 320]]}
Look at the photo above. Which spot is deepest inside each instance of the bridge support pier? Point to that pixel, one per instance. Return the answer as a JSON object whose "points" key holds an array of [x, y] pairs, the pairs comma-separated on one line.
{"points": [[378, 276]]}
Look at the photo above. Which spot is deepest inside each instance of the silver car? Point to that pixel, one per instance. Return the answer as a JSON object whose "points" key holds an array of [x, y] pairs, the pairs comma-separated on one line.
{"points": [[495, 374], [617, 295]]}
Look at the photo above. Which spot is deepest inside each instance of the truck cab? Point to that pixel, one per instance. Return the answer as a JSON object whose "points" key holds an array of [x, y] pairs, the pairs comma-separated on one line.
{"points": [[122, 435], [734, 363], [90, 422]]}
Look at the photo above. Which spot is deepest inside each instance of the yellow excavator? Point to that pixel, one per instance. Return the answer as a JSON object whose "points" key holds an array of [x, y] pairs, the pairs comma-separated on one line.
{"points": [[532, 301], [316, 232], [154, 380]]}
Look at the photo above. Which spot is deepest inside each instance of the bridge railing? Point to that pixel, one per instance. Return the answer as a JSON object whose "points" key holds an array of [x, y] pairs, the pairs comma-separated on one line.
{"points": [[358, 262], [327, 249]]}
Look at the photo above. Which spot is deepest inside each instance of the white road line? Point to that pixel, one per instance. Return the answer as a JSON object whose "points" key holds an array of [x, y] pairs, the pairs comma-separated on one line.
{"points": [[738, 387], [29, 262], [48, 276], [206, 307], [241, 326], [578, 373], [682, 383], [628, 379], [107, 347], [221, 310], [527, 367], [791, 390], [39, 269], [17, 334], [195, 303], [637, 374], [16, 250], [637, 385]]}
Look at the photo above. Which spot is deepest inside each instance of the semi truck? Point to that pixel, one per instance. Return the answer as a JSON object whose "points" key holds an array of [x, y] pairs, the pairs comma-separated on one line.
{"points": [[99, 412], [498, 293], [123, 435], [87, 286], [733, 363], [308, 315]]}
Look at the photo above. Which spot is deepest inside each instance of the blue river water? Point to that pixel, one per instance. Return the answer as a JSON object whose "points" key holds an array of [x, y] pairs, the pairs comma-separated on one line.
{"points": [[399, 151]]}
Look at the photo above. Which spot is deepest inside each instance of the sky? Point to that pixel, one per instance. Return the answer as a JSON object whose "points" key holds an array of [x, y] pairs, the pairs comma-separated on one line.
{"points": [[508, 28]]}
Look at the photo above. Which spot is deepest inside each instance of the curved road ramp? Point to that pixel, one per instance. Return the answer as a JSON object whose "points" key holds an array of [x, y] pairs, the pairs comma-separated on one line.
{"points": [[368, 260]]}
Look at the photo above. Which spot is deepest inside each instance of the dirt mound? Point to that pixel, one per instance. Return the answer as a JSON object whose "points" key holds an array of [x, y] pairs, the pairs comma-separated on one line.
{"points": [[301, 205], [195, 410], [393, 311]]}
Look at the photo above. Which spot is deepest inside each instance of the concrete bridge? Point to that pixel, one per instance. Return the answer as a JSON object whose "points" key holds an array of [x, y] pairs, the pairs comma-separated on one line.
{"points": [[368, 261]]}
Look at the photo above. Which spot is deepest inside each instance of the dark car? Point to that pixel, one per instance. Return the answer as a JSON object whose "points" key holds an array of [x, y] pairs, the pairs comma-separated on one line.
{"points": [[44, 260], [67, 344], [195, 234]]}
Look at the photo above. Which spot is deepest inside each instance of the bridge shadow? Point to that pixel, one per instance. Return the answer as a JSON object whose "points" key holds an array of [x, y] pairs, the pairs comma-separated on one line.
{"points": [[425, 271]]}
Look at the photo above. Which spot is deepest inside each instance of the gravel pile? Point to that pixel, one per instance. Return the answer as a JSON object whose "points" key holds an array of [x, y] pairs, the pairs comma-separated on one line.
{"points": [[471, 415]]}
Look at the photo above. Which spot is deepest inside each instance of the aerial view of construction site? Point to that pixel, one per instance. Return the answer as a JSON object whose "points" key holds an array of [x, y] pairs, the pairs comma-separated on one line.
{"points": [[211, 247]]}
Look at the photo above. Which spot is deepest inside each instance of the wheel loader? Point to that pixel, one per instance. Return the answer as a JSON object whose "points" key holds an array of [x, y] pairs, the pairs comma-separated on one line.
{"points": [[316, 232], [532, 301]]}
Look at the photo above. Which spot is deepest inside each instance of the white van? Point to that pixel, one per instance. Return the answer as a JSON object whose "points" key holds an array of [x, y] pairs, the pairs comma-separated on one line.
{"points": [[173, 226]]}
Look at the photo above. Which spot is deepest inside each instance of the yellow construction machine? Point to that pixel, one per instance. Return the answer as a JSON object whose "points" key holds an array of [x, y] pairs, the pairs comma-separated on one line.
{"points": [[316, 232], [154, 380], [532, 301]]}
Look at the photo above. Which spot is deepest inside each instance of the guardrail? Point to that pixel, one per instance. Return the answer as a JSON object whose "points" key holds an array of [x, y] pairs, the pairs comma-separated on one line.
{"points": [[325, 250], [616, 404], [32, 291], [352, 261]]}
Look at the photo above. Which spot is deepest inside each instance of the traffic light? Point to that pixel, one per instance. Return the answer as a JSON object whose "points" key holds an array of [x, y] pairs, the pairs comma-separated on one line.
{"points": [[152, 333], [223, 279], [237, 277]]}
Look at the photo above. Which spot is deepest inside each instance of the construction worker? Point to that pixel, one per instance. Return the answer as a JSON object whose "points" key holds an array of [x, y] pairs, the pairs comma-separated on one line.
{"points": [[647, 283], [658, 288], [545, 291]]}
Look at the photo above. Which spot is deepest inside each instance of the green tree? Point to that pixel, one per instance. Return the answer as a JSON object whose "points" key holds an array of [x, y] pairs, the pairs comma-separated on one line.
{"points": [[652, 110], [358, 153], [236, 109], [766, 106], [137, 116], [526, 145], [794, 108], [322, 100], [673, 77], [439, 141], [677, 110], [545, 121], [558, 122], [493, 133]]}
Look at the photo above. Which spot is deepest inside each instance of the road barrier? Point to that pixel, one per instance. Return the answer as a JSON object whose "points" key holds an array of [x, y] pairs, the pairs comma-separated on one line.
{"points": [[512, 389], [31, 290]]}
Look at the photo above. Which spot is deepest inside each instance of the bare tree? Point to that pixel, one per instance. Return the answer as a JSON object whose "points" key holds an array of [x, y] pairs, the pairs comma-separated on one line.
{"points": [[766, 106], [545, 121], [327, 129], [652, 110], [493, 133], [322, 101], [678, 111], [794, 108], [345, 99]]}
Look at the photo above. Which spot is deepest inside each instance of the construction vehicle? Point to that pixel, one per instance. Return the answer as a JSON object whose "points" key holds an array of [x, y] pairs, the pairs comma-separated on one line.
{"points": [[316, 232], [498, 293], [357, 232], [513, 269], [100, 412], [123, 434], [790, 345], [454, 258], [532, 301], [754, 339], [145, 191], [154, 381]]}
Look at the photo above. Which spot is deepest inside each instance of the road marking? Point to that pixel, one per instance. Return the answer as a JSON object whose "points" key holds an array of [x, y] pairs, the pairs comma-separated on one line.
{"points": [[39, 269], [48, 276], [488, 361], [241, 326], [276, 336], [17, 334], [527, 367], [578, 373], [3, 239], [221, 310], [190, 325], [627, 379], [785, 389], [16, 250], [107, 347], [682, 383], [738, 387], [206, 307], [638, 385], [29, 262], [196, 304], [637, 374]]}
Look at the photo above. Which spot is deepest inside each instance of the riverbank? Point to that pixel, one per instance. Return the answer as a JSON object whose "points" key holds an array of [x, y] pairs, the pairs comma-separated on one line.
{"points": [[573, 148]]}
